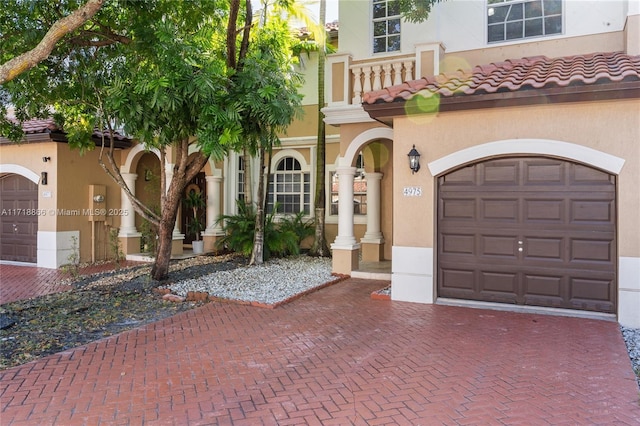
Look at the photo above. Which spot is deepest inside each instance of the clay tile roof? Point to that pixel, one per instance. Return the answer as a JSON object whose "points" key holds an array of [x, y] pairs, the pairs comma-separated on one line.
{"points": [[513, 75], [48, 125], [39, 126]]}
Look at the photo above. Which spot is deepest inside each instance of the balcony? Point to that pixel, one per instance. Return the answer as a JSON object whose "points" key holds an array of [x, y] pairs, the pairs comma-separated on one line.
{"points": [[348, 80]]}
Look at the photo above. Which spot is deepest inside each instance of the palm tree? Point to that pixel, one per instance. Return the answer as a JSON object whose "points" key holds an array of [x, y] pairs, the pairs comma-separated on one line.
{"points": [[320, 247]]}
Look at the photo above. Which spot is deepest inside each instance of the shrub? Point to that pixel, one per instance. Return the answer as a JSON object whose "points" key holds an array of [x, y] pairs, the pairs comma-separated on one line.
{"points": [[239, 231]]}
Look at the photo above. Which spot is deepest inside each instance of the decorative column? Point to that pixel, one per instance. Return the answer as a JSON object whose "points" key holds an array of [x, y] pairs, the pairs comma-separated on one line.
{"points": [[128, 234], [345, 248], [214, 230], [372, 242]]}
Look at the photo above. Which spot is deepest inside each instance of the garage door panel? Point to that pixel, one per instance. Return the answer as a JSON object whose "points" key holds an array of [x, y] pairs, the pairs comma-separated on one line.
{"points": [[548, 173], [592, 251], [544, 249], [500, 209], [500, 173], [531, 231], [498, 246], [465, 176], [458, 209], [545, 210], [458, 243], [498, 282], [543, 285], [592, 288], [591, 211], [583, 175], [458, 279]]}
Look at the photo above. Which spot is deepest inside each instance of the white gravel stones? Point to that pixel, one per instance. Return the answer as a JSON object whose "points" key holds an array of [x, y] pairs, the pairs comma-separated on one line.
{"points": [[270, 283], [632, 339]]}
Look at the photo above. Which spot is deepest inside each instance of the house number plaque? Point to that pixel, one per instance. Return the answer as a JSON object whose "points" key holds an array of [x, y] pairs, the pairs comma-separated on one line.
{"points": [[412, 191]]}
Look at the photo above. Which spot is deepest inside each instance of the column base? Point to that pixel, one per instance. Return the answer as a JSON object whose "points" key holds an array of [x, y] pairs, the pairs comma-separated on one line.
{"points": [[211, 242], [130, 244], [176, 244], [345, 259], [372, 251]]}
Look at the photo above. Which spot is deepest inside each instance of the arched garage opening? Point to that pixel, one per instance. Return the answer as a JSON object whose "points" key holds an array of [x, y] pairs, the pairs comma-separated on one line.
{"points": [[528, 230]]}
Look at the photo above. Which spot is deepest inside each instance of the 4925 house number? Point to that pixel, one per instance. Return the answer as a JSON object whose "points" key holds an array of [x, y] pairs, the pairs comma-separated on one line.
{"points": [[412, 191]]}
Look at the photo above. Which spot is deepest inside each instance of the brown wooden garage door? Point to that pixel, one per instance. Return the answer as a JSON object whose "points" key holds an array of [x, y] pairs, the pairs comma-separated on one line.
{"points": [[528, 231], [18, 219]]}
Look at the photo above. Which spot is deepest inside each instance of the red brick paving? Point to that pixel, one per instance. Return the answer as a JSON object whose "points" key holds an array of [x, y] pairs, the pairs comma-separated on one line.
{"points": [[24, 282], [335, 357]]}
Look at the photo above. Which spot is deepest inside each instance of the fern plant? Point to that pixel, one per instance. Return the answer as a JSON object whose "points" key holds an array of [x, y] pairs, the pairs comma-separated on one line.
{"points": [[296, 224], [240, 230]]}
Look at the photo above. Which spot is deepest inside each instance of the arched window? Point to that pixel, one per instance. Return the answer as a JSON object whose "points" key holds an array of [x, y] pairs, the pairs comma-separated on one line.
{"points": [[290, 188]]}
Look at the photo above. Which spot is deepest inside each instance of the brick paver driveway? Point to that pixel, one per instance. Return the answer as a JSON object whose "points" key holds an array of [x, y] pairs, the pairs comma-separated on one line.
{"points": [[335, 357]]}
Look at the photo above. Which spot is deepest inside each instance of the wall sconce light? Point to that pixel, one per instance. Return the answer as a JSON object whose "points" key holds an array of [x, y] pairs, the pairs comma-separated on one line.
{"points": [[45, 159], [43, 178], [98, 198], [414, 160]]}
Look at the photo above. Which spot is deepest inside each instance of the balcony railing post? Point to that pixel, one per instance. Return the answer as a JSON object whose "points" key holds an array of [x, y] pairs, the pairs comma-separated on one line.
{"points": [[357, 85]]}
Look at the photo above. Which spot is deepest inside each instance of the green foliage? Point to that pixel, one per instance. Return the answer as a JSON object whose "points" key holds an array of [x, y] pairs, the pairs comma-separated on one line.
{"points": [[114, 246], [416, 10], [73, 258], [240, 229], [298, 225], [195, 201]]}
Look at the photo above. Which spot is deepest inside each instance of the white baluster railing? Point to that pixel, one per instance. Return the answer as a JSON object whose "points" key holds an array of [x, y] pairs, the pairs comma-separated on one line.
{"points": [[379, 75]]}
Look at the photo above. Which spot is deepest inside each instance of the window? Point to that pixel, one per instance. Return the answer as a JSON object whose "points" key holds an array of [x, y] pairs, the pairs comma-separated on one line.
{"points": [[241, 178], [513, 19], [290, 188], [359, 190], [386, 26]]}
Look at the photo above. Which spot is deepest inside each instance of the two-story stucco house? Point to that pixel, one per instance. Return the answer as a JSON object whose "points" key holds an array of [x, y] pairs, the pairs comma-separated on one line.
{"points": [[526, 116]]}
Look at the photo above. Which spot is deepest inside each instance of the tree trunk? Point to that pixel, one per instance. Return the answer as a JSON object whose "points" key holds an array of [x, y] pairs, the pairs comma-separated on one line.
{"points": [[257, 254], [186, 168], [160, 268], [320, 247]]}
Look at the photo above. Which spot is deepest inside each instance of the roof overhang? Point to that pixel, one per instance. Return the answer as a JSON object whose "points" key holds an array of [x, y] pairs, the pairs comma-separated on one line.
{"points": [[385, 112]]}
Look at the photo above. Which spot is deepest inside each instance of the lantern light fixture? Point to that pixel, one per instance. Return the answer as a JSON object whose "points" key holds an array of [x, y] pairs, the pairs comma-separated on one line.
{"points": [[414, 160]]}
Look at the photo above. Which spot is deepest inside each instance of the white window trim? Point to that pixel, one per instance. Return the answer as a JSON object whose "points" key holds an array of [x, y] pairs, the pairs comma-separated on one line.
{"points": [[371, 35], [561, 34], [304, 168]]}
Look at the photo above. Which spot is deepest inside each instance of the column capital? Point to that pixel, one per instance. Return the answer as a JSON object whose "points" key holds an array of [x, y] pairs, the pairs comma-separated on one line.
{"points": [[346, 170], [373, 175]]}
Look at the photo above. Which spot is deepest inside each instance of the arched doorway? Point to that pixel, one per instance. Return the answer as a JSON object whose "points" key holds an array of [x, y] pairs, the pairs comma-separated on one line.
{"points": [[19, 218], [531, 230]]}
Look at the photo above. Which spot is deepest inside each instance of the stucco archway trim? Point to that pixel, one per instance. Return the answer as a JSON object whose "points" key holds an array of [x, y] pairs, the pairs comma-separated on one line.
{"points": [[289, 153], [133, 155], [20, 170], [361, 140], [570, 151]]}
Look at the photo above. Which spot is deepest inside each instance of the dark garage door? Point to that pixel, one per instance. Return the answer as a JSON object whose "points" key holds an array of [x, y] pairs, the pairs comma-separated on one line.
{"points": [[528, 231], [18, 221]]}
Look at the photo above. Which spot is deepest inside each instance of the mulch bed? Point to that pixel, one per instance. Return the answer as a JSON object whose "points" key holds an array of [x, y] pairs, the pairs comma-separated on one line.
{"points": [[98, 306]]}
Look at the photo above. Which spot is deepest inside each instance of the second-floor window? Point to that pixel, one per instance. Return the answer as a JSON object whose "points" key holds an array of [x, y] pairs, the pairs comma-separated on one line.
{"points": [[386, 26], [517, 19]]}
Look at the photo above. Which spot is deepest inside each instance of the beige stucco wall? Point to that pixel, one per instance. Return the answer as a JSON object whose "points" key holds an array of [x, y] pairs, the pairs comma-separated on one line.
{"points": [[612, 127]]}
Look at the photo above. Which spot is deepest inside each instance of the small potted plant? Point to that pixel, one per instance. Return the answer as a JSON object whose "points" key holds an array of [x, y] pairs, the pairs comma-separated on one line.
{"points": [[195, 202]]}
